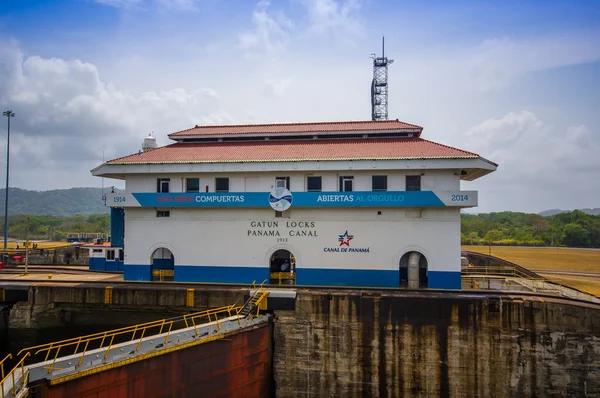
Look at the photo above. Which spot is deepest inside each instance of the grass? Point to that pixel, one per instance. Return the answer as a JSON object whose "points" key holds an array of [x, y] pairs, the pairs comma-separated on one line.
{"points": [[541, 258], [552, 259]]}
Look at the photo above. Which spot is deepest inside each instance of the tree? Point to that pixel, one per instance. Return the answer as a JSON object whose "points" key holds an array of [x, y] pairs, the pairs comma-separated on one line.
{"points": [[574, 235], [473, 238], [493, 235]]}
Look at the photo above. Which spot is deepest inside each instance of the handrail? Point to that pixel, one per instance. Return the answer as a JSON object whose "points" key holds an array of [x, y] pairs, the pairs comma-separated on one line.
{"points": [[163, 326], [9, 356], [502, 270], [24, 375]]}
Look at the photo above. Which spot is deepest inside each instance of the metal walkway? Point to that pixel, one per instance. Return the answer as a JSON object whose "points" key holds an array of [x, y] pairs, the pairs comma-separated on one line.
{"points": [[86, 355]]}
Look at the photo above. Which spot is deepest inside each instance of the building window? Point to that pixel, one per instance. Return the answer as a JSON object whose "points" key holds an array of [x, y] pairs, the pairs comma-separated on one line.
{"points": [[121, 255], [346, 184], [163, 184], [163, 213], [283, 214], [221, 184], [283, 182], [110, 255], [96, 250], [379, 183], [192, 185], [413, 183], [314, 184]]}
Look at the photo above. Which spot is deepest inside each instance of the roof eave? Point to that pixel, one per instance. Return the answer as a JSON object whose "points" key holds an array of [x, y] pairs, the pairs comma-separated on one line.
{"points": [[182, 135]]}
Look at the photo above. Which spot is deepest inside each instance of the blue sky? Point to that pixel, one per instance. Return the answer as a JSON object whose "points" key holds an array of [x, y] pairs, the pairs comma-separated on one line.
{"points": [[516, 81]]}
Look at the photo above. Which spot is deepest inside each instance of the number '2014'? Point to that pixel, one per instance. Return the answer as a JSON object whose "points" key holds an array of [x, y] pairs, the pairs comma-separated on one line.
{"points": [[460, 198]]}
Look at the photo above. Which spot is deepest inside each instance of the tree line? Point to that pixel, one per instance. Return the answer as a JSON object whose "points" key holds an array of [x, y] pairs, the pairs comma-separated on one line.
{"points": [[55, 228], [572, 229]]}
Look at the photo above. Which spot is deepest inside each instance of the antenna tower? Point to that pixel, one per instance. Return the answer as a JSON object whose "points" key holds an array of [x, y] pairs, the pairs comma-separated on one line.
{"points": [[379, 85]]}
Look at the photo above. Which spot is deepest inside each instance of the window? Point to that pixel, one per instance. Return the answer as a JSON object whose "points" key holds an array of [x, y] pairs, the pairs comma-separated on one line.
{"points": [[121, 255], [162, 185], [313, 184], [221, 184], [379, 183], [192, 185], [282, 182], [96, 250], [346, 183], [110, 255], [163, 213], [283, 214], [413, 183]]}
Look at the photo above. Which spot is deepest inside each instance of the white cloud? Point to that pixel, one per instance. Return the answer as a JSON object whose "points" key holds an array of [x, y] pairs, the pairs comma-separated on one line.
{"points": [[271, 30], [66, 116], [184, 5], [126, 4], [277, 87], [539, 165], [339, 19]]}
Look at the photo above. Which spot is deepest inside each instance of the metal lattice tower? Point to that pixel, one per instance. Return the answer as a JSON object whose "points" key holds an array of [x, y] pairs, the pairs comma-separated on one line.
{"points": [[379, 85]]}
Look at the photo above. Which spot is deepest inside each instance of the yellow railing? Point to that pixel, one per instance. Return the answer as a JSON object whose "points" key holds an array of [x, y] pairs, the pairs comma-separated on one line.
{"points": [[81, 345], [282, 276], [257, 298], [9, 356], [498, 271], [133, 332], [10, 374], [211, 316]]}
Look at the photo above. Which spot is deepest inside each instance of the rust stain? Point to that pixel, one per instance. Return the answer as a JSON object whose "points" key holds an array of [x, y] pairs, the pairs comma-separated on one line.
{"points": [[239, 366]]}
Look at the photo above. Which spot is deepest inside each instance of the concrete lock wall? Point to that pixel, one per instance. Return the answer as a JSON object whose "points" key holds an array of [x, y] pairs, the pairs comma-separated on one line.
{"points": [[353, 345], [55, 306], [236, 366]]}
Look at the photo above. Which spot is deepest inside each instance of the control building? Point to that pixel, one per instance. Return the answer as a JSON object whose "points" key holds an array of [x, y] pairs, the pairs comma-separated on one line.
{"points": [[343, 203]]}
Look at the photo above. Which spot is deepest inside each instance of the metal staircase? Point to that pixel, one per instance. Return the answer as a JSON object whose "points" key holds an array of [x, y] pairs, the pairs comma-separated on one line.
{"points": [[255, 301]]}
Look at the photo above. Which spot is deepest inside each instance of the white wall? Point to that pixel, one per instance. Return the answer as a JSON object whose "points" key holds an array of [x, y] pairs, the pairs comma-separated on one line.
{"points": [[238, 182], [220, 237]]}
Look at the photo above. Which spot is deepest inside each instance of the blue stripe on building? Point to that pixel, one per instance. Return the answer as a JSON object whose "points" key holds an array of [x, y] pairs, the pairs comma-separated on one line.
{"points": [[300, 199], [304, 276], [221, 274]]}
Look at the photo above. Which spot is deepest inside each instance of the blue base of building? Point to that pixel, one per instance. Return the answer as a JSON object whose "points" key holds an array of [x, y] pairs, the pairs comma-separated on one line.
{"points": [[347, 277], [304, 276], [101, 264], [217, 274], [444, 280], [134, 272]]}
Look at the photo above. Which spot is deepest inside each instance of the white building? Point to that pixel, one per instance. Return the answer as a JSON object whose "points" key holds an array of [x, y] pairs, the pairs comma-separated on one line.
{"points": [[372, 204]]}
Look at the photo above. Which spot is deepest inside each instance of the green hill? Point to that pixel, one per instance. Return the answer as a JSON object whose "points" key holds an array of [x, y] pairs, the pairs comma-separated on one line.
{"points": [[58, 202]]}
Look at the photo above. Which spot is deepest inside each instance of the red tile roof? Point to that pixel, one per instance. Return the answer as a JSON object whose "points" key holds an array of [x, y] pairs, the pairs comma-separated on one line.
{"points": [[291, 151], [325, 127]]}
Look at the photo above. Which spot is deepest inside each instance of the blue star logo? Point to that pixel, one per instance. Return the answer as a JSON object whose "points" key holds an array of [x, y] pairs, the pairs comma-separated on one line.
{"points": [[345, 239]]}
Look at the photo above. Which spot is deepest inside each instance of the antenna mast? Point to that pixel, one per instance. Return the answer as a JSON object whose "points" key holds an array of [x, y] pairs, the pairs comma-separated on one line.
{"points": [[379, 85]]}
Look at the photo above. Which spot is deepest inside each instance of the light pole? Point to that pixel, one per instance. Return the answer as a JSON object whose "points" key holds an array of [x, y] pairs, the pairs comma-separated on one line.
{"points": [[8, 114]]}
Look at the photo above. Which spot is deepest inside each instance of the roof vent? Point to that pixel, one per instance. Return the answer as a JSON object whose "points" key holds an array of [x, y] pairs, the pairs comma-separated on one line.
{"points": [[149, 143]]}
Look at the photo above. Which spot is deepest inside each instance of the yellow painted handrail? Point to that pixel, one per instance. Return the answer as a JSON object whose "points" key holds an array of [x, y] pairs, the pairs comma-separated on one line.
{"points": [[497, 270], [140, 331], [162, 326], [24, 375], [9, 356]]}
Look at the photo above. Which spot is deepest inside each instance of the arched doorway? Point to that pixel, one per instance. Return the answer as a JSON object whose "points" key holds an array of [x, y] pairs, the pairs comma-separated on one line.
{"points": [[282, 266], [413, 270], [163, 264]]}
